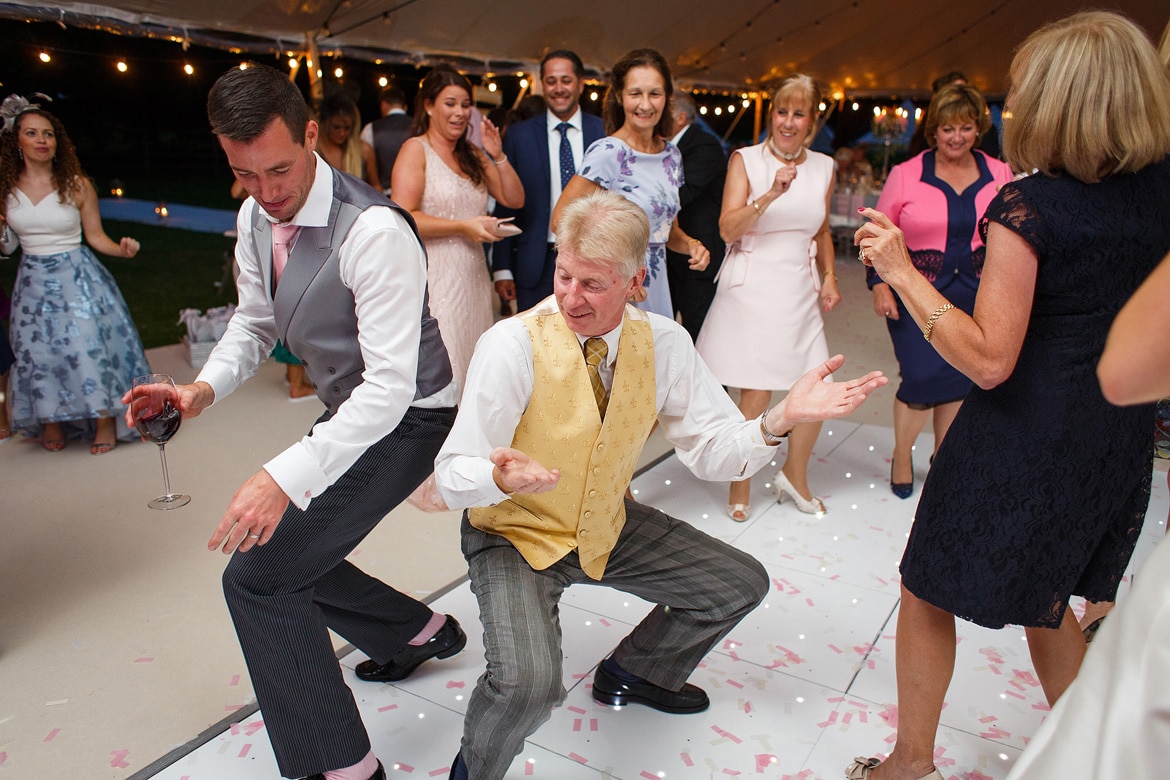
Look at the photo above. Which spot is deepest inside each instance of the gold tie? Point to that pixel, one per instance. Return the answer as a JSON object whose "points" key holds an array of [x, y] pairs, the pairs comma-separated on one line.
{"points": [[595, 352]]}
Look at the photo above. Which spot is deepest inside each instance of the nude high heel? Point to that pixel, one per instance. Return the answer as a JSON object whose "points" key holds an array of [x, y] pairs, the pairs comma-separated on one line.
{"points": [[810, 506]]}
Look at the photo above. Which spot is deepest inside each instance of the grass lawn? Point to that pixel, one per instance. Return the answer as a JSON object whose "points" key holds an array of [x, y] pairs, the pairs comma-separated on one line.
{"points": [[174, 270]]}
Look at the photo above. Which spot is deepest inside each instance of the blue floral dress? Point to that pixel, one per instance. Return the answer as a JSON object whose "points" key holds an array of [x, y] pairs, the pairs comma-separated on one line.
{"points": [[76, 347], [651, 181]]}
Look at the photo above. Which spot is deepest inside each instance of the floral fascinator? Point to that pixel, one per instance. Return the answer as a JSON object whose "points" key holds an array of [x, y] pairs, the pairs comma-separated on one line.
{"points": [[15, 105]]}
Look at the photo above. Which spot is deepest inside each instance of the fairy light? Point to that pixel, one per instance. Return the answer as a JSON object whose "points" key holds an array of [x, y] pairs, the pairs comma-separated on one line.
{"points": [[593, 96], [243, 66], [856, 107], [491, 86], [188, 69], [292, 62], [718, 110], [747, 103], [122, 66], [383, 81], [703, 110], [523, 83], [338, 72], [44, 56]]}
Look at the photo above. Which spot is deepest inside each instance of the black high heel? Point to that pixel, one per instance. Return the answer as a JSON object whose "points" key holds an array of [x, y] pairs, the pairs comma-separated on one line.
{"points": [[902, 490]]}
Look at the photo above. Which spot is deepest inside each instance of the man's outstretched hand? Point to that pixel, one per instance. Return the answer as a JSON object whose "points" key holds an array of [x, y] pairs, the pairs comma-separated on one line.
{"points": [[812, 399], [517, 472]]}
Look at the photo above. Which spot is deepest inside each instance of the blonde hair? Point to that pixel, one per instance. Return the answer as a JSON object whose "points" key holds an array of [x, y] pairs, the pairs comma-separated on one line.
{"points": [[953, 104], [791, 91], [604, 227], [1164, 49], [1089, 97]]}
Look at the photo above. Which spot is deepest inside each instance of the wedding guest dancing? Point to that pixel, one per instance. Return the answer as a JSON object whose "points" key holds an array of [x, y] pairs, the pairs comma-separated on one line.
{"points": [[337, 271], [937, 198], [1041, 485], [559, 401], [764, 329], [75, 343]]}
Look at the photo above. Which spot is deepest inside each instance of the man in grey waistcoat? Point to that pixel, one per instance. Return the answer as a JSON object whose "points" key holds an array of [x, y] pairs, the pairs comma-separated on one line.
{"points": [[336, 271]]}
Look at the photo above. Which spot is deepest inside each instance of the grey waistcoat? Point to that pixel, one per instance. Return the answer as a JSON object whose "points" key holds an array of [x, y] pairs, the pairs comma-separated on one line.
{"points": [[315, 313]]}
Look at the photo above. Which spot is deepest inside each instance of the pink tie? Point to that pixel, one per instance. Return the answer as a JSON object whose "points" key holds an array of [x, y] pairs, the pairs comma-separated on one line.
{"points": [[283, 237]]}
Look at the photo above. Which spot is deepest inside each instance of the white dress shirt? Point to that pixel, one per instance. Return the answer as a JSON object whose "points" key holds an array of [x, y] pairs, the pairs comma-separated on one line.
{"points": [[576, 135], [709, 433], [383, 264]]}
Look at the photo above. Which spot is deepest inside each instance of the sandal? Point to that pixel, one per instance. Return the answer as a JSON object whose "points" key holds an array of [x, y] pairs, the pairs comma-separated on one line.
{"points": [[861, 767], [53, 445], [102, 447], [739, 512], [1091, 630]]}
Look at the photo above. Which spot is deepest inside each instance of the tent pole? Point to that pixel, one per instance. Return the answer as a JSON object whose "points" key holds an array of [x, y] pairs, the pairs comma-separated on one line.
{"points": [[316, 85], [758, 118]]}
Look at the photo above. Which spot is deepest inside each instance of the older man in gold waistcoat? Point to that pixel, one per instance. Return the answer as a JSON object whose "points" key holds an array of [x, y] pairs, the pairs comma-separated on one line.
{"points": [[558, 404]]}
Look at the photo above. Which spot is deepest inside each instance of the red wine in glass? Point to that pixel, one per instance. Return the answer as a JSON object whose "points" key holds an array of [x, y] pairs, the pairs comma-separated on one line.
{"points": [[154, 406]]}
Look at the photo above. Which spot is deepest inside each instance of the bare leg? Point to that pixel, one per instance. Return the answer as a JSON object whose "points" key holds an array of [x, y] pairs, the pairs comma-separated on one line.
{"points": [[752, 403], [5, 425], [908, 423], [297, 386], [1056, 655], [926, 662], [944, 415], [52, 437], [800, 446]]}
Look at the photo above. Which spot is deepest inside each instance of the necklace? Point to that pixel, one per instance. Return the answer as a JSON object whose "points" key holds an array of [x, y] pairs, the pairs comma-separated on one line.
{"points": [[784, 155]]}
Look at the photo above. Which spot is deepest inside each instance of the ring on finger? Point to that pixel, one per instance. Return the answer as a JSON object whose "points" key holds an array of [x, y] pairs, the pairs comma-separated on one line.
{"points": [[253, 536], [861, 253]]}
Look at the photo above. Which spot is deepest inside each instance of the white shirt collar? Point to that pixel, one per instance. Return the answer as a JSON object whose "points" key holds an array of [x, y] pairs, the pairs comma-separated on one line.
{"points": [[680, 134], [554, 120]]}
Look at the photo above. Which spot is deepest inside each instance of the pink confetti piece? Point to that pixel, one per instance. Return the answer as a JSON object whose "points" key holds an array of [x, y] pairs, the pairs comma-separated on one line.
{"points": [[144, 660], [835, 699], [604, 622], [747, 708], [119, 759], [835, 577], [836, 649], [403, 767], [763, 761], [826, 723], [234, 729], [52, 735], [731, 772], [235, 680], [870, 664], [847, 717], [734, 683], [456, 684], [387, 707], [995, 732], [726, 734], [1013, 694], [648, 775], [1041, 707], [593, 724], [863, 716], [576, 724], [809, 602], [987, 719], [444, 772], [3, 758], [529, 768], [253, 727], [578, 758], [686, 759], [576, 709], [244, 751], [233, 707]]}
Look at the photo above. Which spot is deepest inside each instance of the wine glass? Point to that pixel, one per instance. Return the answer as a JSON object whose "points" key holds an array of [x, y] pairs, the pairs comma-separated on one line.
{"points": [[154, 404]]}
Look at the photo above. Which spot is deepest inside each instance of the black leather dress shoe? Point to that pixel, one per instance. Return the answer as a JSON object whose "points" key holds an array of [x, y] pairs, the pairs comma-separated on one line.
{"points": [[380, 774], [446, 642], [610, 689]]}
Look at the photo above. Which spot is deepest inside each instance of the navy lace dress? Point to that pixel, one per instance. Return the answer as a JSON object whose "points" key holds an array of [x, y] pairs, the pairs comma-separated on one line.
{"points": [[1041, 486]]}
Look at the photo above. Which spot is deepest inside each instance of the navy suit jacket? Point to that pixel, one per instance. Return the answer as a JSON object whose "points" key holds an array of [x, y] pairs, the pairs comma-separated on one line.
{"points": [[526, 145]]}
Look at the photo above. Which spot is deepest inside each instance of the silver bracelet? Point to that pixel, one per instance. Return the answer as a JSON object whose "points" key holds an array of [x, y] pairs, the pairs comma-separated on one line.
{"points": [[498, 162]]}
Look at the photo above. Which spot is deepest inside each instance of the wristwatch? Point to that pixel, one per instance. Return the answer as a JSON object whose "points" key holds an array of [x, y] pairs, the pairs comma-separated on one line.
{"points": [[770, 438]]}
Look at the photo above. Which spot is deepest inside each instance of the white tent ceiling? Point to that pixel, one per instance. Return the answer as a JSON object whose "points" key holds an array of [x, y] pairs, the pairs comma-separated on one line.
{"points": [[858, 47]]}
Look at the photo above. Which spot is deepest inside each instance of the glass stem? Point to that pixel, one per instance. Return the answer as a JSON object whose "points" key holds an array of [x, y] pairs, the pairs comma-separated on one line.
{"points": [[162, 454]]}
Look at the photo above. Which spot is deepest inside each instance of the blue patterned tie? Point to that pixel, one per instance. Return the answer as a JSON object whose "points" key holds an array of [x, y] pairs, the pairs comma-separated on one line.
{"points": [[567, 167]]}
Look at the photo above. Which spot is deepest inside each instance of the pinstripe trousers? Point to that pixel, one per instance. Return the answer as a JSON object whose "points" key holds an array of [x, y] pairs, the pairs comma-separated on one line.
{"points": [[703, 587], [283, 596]]}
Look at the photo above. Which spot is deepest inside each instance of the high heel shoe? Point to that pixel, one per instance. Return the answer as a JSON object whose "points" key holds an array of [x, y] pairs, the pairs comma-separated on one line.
{"points": [[739, 512], [902, 490], [862, 766], [810, 506]]}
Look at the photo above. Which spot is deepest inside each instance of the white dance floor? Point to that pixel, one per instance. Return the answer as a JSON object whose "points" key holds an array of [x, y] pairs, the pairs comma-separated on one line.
{"points": [[805, 683]]}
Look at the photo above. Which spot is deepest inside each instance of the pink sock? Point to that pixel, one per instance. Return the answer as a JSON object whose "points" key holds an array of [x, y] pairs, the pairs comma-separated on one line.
{"points": [[429, 630], [362, 770]]}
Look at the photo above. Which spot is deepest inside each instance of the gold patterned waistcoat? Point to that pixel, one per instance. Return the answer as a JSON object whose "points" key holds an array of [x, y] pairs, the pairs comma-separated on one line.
{"points": [[562, 429]]}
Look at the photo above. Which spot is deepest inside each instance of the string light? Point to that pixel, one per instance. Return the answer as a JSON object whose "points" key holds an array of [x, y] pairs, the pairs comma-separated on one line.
{"points": [[383, 81], [703, 110], [292, 62], [244, 66], [122, 66], [593, 96], [856, 107], [523, 83], [338, 72], [188, 69], [44, 56]]}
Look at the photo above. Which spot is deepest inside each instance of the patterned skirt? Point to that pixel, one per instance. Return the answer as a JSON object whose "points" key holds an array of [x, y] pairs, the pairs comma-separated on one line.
{"points": [[76, 347]]}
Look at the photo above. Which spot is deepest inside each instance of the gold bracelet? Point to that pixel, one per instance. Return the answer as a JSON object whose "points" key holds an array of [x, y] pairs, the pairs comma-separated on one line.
{"points": [[940, 311], [755, 204], [831, 273]]}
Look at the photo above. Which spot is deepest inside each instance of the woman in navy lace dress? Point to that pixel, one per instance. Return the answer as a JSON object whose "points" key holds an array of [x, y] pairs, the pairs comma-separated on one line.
{"points": [[1040, 488]]}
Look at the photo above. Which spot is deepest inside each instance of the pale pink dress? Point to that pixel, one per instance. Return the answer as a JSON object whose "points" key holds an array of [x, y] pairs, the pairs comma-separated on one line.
{"points": [[457, 274]]}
